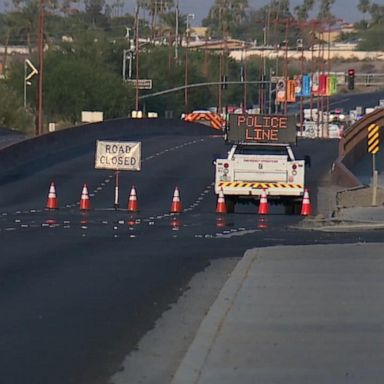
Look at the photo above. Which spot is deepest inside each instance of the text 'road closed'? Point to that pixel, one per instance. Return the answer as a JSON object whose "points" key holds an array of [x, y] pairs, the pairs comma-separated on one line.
{"points": [[118, 155]]}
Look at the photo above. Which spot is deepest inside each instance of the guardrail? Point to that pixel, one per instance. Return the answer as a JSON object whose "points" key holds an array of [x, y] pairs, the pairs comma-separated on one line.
{"points": [[369, 79], [352, 147]]}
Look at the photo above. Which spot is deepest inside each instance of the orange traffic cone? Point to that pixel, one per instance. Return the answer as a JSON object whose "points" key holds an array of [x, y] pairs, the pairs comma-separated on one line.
{"points": [[85, 204], [306, 208], [220, 222], [52, 199], [132, 202], [263, 206], [176, 203], [220, 206]]}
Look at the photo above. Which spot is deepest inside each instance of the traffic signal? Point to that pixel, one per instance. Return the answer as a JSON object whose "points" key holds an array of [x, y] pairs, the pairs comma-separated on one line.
{"points": [[351, 79]]}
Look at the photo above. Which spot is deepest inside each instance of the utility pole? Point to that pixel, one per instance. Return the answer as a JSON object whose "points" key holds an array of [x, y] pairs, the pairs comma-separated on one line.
{"points": [[39, 92], [177, 31], [137, 56], [189, 16]]}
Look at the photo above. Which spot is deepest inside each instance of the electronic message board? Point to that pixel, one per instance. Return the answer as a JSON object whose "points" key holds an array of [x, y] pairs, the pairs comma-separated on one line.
{"points": [[261, 129]]}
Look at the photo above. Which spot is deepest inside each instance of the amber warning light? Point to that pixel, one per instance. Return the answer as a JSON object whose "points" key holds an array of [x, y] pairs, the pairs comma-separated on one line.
{"points": [[274, 129]]}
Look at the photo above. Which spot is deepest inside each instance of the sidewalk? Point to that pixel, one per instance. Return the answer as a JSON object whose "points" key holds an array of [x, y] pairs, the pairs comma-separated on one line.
{"points": [[300, 315]]}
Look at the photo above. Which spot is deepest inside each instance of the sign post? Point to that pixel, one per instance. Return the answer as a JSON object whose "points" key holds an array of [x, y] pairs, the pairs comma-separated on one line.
{"points": [[119, 156], [373, 148]]}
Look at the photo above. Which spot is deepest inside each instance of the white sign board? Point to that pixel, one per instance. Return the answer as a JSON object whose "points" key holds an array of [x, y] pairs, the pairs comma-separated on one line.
{"points": [[310, 128], [141, 83], [91, 116], [118, 155]]}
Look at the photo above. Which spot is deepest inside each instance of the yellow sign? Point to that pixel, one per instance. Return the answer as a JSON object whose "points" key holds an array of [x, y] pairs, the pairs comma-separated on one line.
{"points": [[373, 138]]}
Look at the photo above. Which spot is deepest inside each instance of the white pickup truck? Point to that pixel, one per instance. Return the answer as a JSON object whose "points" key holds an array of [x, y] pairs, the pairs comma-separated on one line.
{"points": [[261, 158], [250, 169]]}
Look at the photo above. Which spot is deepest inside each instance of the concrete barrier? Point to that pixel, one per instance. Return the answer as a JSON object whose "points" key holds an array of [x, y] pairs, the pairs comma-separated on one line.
{"points": [[352, 148]]}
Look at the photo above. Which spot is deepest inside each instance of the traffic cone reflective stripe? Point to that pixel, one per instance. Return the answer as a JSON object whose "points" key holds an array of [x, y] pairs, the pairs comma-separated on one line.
{"points": [[52, 199], [306, 208], [176, 203], [262, 223], [221, 206], [132, 202], [263, 205], [85, 204], [175, 223], [220, 222]]}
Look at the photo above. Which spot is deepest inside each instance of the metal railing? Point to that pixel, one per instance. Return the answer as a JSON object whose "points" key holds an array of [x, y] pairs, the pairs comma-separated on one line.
{"points": [[369, 79]]}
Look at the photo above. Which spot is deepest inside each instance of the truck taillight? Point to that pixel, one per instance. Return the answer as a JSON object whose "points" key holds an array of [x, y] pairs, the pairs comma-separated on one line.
{"points": [[226, 165], [294, 166]]}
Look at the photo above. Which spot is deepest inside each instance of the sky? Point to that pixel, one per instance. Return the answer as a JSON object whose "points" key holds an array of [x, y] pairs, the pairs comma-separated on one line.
{"points": [[200, 8]]}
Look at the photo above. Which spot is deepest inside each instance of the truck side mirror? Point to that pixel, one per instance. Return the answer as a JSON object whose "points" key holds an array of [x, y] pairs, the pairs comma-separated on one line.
{"points": [[307, 161]]}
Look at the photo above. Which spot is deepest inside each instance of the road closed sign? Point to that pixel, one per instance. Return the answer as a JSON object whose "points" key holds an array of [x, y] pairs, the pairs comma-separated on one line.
{"points": [[118, 155]]}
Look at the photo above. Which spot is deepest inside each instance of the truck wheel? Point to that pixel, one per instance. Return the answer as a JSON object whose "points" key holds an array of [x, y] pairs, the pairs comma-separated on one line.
{"points": [[230, 202]]}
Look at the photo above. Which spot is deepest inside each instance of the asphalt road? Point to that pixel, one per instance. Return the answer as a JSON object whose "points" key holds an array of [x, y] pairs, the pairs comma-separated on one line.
{"points": [[78, 291]]}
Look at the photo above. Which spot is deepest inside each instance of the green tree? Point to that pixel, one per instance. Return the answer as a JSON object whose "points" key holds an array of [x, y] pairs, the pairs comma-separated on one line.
{"points": [[325, 14], [22, 25], [12, 113], [156, 9], [74, 83], [372, 38], [377, 14], [94, 12], [302, 11], [225, 16], [364, 6]]}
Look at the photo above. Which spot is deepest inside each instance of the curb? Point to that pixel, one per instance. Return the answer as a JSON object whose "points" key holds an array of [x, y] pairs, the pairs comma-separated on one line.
{"points": [[192, 364]]}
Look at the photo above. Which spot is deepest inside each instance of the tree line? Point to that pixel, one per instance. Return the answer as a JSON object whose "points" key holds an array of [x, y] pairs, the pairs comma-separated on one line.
{"points": [[85, 41]]}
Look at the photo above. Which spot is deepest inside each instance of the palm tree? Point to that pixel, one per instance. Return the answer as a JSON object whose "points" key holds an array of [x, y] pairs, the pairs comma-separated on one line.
{"points": [[156, 8], [225, 15], [325, 13], [302, 11], [364, 6]]}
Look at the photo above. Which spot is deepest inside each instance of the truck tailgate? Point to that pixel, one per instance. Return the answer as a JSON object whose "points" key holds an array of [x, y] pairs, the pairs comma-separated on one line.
{"points": [[260, 176], [260, 168]]}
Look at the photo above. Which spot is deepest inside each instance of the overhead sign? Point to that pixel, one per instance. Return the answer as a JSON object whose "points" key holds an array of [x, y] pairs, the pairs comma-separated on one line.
{"points": [[255, 129], [118, 155], [373, 138], [141, 83]]}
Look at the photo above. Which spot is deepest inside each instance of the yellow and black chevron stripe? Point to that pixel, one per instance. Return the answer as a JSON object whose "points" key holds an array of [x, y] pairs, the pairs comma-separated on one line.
{"points": [[373, 138], [242, 184], [216, 121]]}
